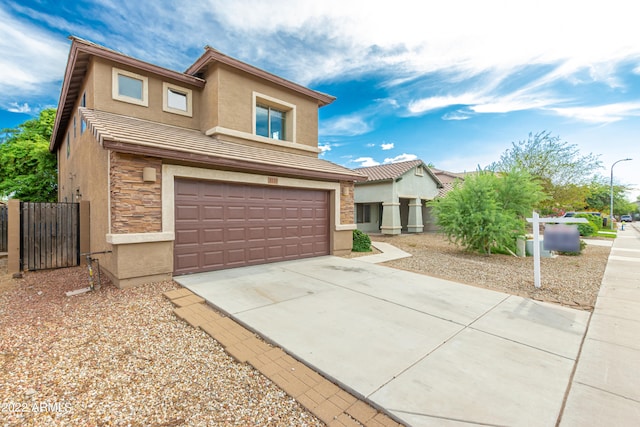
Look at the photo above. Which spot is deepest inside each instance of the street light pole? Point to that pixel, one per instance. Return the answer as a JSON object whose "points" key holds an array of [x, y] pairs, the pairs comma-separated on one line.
{"points": [[611, 197]]}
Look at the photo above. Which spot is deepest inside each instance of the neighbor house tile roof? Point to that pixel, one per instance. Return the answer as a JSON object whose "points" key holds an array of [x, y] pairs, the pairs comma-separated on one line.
{"points": [[390, 171], [138, 136], [394, 171], [448, 180]]}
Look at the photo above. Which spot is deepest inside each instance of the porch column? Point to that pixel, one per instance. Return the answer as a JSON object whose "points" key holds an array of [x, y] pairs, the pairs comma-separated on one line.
{"points": [[415, 224], [391, 218]]}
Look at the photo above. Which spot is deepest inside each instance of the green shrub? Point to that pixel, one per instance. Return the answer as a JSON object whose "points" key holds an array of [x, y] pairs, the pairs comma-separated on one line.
{"points": [[587, 229], [595, 221], [361, 242]]}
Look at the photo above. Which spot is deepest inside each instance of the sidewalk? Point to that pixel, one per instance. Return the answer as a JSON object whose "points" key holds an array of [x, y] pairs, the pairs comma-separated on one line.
{"points": [[605, 389]]}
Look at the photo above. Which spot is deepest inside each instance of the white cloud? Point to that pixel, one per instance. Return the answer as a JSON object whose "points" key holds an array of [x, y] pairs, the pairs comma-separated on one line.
{"points": [[32, 60], [456, 115], [401, 158], [365, 162], [370, 145], [345, 126], [14, 107], [388, 146], [436, 102], [602, 113], [324, 147]]}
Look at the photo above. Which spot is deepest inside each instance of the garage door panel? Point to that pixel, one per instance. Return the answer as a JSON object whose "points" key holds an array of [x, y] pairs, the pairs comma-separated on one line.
{"points": [[212, 213], [186, 237], [212, 235], [236, 213], [275, 213], [252, 224], [256, 234], [235, 235], [212, 259], [257, 255], [185, 213]]}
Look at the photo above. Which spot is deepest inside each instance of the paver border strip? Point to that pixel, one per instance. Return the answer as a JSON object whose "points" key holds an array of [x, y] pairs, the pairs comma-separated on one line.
{"points": [[322, 397]]}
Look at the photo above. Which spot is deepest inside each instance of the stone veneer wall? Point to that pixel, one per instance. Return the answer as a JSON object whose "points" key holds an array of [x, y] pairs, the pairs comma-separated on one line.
{"points": [[346, 203], [136, 206]]}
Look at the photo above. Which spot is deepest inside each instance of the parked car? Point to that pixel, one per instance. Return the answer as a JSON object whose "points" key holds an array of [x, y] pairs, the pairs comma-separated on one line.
{"points": [[572, 214], [626, 218]]}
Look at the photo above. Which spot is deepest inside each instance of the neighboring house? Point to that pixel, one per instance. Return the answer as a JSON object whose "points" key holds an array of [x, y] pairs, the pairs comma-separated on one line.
{"points": [[448, 180], [213, 168], [393, 197]]}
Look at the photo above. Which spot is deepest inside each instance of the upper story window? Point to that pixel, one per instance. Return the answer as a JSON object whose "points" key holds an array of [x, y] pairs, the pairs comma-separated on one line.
{"points": [[273, 118], [270, 122], [419, 171], [130, 87], [176, 99]]}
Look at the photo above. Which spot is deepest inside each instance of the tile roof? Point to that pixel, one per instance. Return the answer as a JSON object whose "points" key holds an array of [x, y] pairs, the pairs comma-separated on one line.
{"points": [[390, 171], [446, 176], [394, 171], [138, 136]]}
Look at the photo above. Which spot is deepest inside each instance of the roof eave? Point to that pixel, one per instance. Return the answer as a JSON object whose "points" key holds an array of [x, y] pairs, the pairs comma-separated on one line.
{"points": [[217, 161], [80, 46], [212, 55]]}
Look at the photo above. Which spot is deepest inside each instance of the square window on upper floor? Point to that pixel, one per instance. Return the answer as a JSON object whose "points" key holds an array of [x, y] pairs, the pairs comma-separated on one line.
{"points": [[177, 100], [130, 87], [273, 118]]}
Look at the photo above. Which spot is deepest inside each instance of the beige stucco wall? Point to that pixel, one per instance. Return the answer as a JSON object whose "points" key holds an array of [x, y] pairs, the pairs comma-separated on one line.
{"points": [[138, 263], [83, 175], [228, 102], [154, 112]]}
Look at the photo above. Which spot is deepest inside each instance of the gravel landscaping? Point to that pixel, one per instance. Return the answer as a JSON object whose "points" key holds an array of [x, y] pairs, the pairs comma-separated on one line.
{"points": [[568, 280], [121, 357]]}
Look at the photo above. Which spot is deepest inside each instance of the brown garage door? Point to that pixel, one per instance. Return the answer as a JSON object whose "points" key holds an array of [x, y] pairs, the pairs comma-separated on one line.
{"points": [[221, 225]]}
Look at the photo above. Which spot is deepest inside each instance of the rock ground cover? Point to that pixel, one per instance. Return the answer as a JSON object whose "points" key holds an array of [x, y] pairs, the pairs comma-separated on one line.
{"points": [[121, 357], [568, 280]]}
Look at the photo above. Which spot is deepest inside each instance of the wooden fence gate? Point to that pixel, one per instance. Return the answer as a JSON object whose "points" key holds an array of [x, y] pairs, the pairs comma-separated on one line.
{"points": [[50, 235], [4, 228]]}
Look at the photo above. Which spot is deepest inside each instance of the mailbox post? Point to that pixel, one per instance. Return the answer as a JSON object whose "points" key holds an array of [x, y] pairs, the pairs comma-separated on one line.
{"points": [[536, 221]]}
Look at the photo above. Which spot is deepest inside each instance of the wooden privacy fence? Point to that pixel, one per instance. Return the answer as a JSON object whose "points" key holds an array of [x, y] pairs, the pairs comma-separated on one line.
{"points": [[4, 228], [50, 235]]}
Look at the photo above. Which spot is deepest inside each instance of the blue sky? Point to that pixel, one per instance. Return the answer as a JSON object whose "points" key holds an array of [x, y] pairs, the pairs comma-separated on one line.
{"points": [[450, 82]]}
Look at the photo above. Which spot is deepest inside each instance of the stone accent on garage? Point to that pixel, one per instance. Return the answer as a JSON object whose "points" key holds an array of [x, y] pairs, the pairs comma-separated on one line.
{"points": [[346, 202], [136, 204]]}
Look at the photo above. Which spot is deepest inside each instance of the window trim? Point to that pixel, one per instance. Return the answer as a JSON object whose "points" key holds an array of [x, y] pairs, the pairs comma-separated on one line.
{"points": [[115, 93], [287, 108], [419, 170], [166, 87]]}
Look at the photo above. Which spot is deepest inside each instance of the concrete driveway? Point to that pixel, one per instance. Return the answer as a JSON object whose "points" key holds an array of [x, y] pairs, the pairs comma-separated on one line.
{"points": [[428, 351]]}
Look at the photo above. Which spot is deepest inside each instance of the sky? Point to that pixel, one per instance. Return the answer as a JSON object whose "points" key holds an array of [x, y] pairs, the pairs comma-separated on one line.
{"points": [[453, 83]]}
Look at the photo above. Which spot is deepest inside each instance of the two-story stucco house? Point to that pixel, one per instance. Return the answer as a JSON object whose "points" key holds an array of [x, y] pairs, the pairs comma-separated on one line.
{"points": [[211, 168]]}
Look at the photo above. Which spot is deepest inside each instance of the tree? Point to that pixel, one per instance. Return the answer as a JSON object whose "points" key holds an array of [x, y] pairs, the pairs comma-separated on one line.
{"points": [[28, 169], [599, 199], [487, 211], [558, 166]]}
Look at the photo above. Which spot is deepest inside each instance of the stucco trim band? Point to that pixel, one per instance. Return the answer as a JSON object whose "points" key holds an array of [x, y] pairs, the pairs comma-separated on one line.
{"points": [[122, 239]]}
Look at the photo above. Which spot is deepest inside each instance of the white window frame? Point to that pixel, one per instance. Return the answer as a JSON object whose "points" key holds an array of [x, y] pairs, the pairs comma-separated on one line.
{"points": [[287, 108], [419, 170], [115, 93], [166, 87]]}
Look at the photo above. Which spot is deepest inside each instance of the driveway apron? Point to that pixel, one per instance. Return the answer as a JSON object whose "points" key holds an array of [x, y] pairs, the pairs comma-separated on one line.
{"points": [[428, 351]]}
